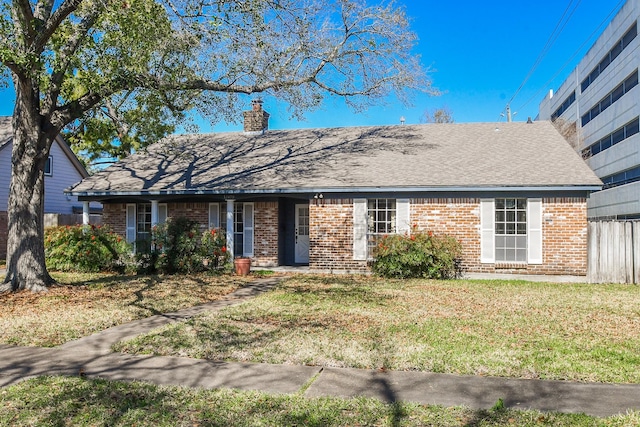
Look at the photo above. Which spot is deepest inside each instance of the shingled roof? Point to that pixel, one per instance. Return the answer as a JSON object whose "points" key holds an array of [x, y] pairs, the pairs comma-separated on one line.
{"points": [[6, 130], [430, 157]]}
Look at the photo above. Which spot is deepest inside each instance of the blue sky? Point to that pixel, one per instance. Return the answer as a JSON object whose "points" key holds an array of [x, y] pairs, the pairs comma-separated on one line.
{"points": [[480, 53]]}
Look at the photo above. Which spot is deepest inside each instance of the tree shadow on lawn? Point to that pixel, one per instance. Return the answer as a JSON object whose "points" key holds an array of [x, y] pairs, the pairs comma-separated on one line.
{"points": [[59, 401], [340, 290]]}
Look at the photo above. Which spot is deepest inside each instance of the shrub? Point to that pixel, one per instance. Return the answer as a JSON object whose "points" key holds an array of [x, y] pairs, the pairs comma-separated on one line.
{"points": [[214, 248], [84, 248], [177, 246], [418, 255]]}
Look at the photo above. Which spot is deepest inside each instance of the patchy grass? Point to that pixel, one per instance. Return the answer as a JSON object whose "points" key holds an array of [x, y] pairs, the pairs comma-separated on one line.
{"points": [[87, 303], [78, 402], [500, 328]]}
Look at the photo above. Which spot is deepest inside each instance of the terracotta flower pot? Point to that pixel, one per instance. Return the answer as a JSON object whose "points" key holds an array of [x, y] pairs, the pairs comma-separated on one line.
{"points": [[242, 265]]}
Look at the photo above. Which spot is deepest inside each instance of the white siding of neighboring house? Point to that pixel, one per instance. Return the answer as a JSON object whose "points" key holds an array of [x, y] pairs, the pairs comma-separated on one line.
{"points": [[5, 176], [64, 174]]}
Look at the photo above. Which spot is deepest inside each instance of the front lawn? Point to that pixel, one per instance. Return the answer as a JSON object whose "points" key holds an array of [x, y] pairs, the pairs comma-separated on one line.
{"points": [[87, 303], [79, 402], [498, 328]]}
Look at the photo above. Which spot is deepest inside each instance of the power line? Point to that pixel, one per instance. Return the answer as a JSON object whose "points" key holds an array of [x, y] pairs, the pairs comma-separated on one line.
{"points": [[550, 41], [587, 40]]}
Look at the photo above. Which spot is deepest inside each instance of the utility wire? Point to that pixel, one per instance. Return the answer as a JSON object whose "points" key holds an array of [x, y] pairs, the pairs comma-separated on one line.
{"points": [[587, 40], [550, 41]]}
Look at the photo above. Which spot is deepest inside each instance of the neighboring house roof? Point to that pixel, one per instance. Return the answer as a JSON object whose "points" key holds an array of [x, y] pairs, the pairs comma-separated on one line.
{"points": [[6, 137], [431, 157], [6, 131]]}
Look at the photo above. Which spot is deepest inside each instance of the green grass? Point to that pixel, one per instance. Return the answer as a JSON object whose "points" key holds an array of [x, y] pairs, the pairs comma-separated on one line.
{"points": [[500, 328], [87, 303], [56, 401]]}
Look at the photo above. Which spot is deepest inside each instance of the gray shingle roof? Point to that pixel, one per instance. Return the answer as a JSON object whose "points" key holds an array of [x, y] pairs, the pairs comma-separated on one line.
{"points": [[471, 155]]}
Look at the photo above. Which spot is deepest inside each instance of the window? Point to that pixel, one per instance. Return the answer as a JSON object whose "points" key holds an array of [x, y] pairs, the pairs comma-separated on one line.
{"points": [[620, 45], [613, 138], [138, 224], [143, 227], [565, 106], [381, 220], [48, 167], [238, 228], [617, 93], [621, 178], [242, 225], [373, 218], [511, 230]]}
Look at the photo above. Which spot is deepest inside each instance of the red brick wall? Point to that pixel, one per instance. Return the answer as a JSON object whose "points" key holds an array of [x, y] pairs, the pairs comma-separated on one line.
{"points": [[564, 231], [114, 215], [331, 236], [265, 233], [198, 212], [564, 234], [331, 232], [4, 231], [459, 218], [265, 224], [564, 238]]}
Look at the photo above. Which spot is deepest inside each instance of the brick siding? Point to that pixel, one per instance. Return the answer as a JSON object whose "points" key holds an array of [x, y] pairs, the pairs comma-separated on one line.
{"points": [[114, 215], [265, 224], [564, 227], [459, 218], [564, 231], [331, 236], [265, 234]]}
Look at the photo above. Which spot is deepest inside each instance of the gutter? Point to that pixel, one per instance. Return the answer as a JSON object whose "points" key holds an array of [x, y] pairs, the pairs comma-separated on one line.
{"points": [[332, 190]]}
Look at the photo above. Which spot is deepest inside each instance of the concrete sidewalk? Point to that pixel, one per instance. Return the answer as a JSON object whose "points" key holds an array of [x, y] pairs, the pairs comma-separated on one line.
{"points": [[92, 357]]}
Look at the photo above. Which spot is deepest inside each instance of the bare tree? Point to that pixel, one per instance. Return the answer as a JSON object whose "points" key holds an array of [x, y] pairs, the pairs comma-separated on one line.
{"points": [[69, 58], [569, 130], [437, 115]]}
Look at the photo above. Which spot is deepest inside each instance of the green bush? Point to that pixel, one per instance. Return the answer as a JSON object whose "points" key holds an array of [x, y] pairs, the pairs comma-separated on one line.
{"points": [[84, 248], [177, 246], [213, 248], [419, 255]]}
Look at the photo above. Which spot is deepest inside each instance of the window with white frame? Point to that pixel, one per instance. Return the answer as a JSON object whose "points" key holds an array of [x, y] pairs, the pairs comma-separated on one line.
{"points": [[242, 225], [139, 224], [143, 226], [373, 218], [511, 230], [381, 220]]}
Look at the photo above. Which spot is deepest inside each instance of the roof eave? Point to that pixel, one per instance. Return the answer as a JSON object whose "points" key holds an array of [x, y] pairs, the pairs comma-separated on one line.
{"points": [[339, 190]]}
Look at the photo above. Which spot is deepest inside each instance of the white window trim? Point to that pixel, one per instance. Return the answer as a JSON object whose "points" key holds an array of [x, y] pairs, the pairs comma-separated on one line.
{"points": [[163, 213], [403, 216], [360, 229], [360, 225], [534, 231], [247, 233], [214, 215], [487, 231], [131, 231]]}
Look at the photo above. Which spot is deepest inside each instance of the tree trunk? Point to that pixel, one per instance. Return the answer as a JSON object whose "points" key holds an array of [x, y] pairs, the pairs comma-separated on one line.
{"points": [[26, 268]]}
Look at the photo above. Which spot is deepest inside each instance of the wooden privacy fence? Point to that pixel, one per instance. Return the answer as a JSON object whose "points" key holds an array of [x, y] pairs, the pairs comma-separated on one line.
{"points": [[613, 252], [52, 220]]}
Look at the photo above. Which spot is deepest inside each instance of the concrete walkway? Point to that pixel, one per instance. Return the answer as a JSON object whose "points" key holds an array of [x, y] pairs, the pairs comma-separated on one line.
{"points": [[91, 357]]}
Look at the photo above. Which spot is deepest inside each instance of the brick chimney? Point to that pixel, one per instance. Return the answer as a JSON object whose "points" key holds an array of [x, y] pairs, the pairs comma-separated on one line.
{"points": [[256, 120]]}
